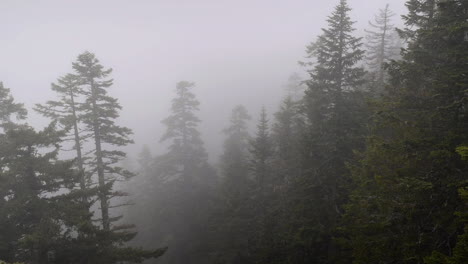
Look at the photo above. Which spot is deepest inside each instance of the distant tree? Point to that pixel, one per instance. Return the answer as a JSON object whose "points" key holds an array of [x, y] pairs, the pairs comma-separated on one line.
{"points": [[261, 151], [380, 45], [287, 132], [235, 156], [175, 188], [186, 151], [295, 87], [145, 160]]}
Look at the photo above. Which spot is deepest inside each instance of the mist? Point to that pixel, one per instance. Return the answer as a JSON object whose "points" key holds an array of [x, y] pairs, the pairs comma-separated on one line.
{"points": [[233, 132], [233, 50]]}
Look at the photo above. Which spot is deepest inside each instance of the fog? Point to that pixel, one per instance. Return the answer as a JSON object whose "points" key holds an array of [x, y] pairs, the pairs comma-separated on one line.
{"points": [[365, 163], [237, 52]]}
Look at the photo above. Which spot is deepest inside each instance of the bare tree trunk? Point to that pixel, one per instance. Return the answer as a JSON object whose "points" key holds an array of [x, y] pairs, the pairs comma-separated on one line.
{"points": [[79, 156]]}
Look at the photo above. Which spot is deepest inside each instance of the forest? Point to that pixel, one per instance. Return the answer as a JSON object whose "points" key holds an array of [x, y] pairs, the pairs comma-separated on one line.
{"points": [[365, 160]]}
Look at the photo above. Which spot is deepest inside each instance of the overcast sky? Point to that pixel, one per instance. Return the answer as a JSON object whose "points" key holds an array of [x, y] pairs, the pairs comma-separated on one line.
{"points": [[237, 51]]}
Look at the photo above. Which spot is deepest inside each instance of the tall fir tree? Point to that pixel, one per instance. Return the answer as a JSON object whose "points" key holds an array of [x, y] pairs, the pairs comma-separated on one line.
{"points": [[334, 109], [99, 113], [261, 152]]}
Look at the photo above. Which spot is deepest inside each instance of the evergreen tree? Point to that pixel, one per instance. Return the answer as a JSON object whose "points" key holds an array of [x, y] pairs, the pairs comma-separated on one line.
{"points": [[66, 111], [287, 132], [261, 151], [381, 45], [177, 184], [234, 225], [408, 179], [335, 111], [30, 172], [295, 87], [234, 158], [186, 151], [8, 108], [99, 114]]}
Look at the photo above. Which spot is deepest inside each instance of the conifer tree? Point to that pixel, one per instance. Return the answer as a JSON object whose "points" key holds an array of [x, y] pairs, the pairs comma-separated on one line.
{"points": [[408, 178], [286, 134], [186, 151], [31, 172], [8, 108], [178, 182], [381, 45], [67, 110], [261, 151], [99, 114], [234, 158], [233, 226], [334, 110]]}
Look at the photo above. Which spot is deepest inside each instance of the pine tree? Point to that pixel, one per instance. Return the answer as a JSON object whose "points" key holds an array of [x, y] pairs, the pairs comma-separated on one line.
{"points": [[295, 86], [261, 151], [287, 131], [234, 158], [178, 183], [235, 214], [186, 151], [66, 111], [30, 172], [381, 45], [335, 111], [8, 108], [99, 114]]}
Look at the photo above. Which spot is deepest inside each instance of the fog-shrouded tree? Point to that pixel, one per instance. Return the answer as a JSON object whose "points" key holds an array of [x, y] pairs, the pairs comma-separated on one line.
{"points": [[176, 186], [381, 45], [29, 169], [235, 156], [286, 135], [295, 86], [9, 109], [99, 113], [261, 151], [66, 109], [334, 110], [186, 151]]}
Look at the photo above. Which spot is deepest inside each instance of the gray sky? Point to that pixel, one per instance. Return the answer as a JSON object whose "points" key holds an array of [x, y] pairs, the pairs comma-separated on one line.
{"points": [[237, 51]]}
